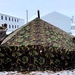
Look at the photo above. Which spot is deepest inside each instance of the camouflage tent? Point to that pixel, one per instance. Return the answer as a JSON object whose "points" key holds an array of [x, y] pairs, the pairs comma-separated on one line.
{"points": [[37, 45]]}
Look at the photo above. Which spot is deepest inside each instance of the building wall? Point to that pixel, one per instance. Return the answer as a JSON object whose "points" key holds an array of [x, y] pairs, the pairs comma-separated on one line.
{"points": [[73, 25], [12, 22], [59, 20]]}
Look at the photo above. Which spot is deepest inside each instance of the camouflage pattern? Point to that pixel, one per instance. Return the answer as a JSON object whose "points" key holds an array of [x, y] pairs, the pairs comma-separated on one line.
{"points": [[37, 46], [39, 32], [36, 57]]}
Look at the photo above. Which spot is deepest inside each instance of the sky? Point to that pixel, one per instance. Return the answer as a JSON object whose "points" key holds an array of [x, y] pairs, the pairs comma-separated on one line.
{"points": [[17, 8]]}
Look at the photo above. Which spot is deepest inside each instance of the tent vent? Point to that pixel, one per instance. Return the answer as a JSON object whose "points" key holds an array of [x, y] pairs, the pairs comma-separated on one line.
{"points": [[38, 13]]}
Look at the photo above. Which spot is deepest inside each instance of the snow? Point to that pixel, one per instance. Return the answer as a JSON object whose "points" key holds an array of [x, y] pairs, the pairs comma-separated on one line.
{"points": [[64, 72]]}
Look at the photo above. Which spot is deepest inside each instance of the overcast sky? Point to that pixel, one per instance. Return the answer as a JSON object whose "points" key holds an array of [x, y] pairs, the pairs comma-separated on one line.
{"points": [[18, 8]]}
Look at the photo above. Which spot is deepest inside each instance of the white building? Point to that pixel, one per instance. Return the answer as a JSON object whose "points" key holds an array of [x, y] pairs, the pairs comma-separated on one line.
{"points": [[59, 20], [73, 25], [12, 22]]}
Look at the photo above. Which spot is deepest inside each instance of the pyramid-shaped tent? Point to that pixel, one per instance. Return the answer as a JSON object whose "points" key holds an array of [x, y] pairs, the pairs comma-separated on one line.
{"points": [[37, 45], [39, 32]]}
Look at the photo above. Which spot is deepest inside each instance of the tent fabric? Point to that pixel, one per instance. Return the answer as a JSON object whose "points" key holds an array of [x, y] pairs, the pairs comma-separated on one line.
{"points": [[37, 45], [35, 58], [39, 32]]}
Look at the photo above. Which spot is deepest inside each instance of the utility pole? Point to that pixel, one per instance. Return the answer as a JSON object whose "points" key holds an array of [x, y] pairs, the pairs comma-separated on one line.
{"points": [[27, 16]]}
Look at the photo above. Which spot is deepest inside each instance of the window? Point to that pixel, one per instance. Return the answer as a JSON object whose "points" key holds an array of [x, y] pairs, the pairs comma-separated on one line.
{"points": [[12, 26], [2, 24], [5, 18], [73, 27], [1, 17], [9, 18], [15, 20], [9, 26], [12, 19], [15, 26]]}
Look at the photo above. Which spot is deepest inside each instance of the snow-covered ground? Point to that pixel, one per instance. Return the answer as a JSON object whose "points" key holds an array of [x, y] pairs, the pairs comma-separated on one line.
{"points": [[65, 72]]}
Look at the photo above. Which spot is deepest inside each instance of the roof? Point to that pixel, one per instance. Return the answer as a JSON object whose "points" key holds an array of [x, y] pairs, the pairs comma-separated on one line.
{"points": [[11, 16], [39, 32]]}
